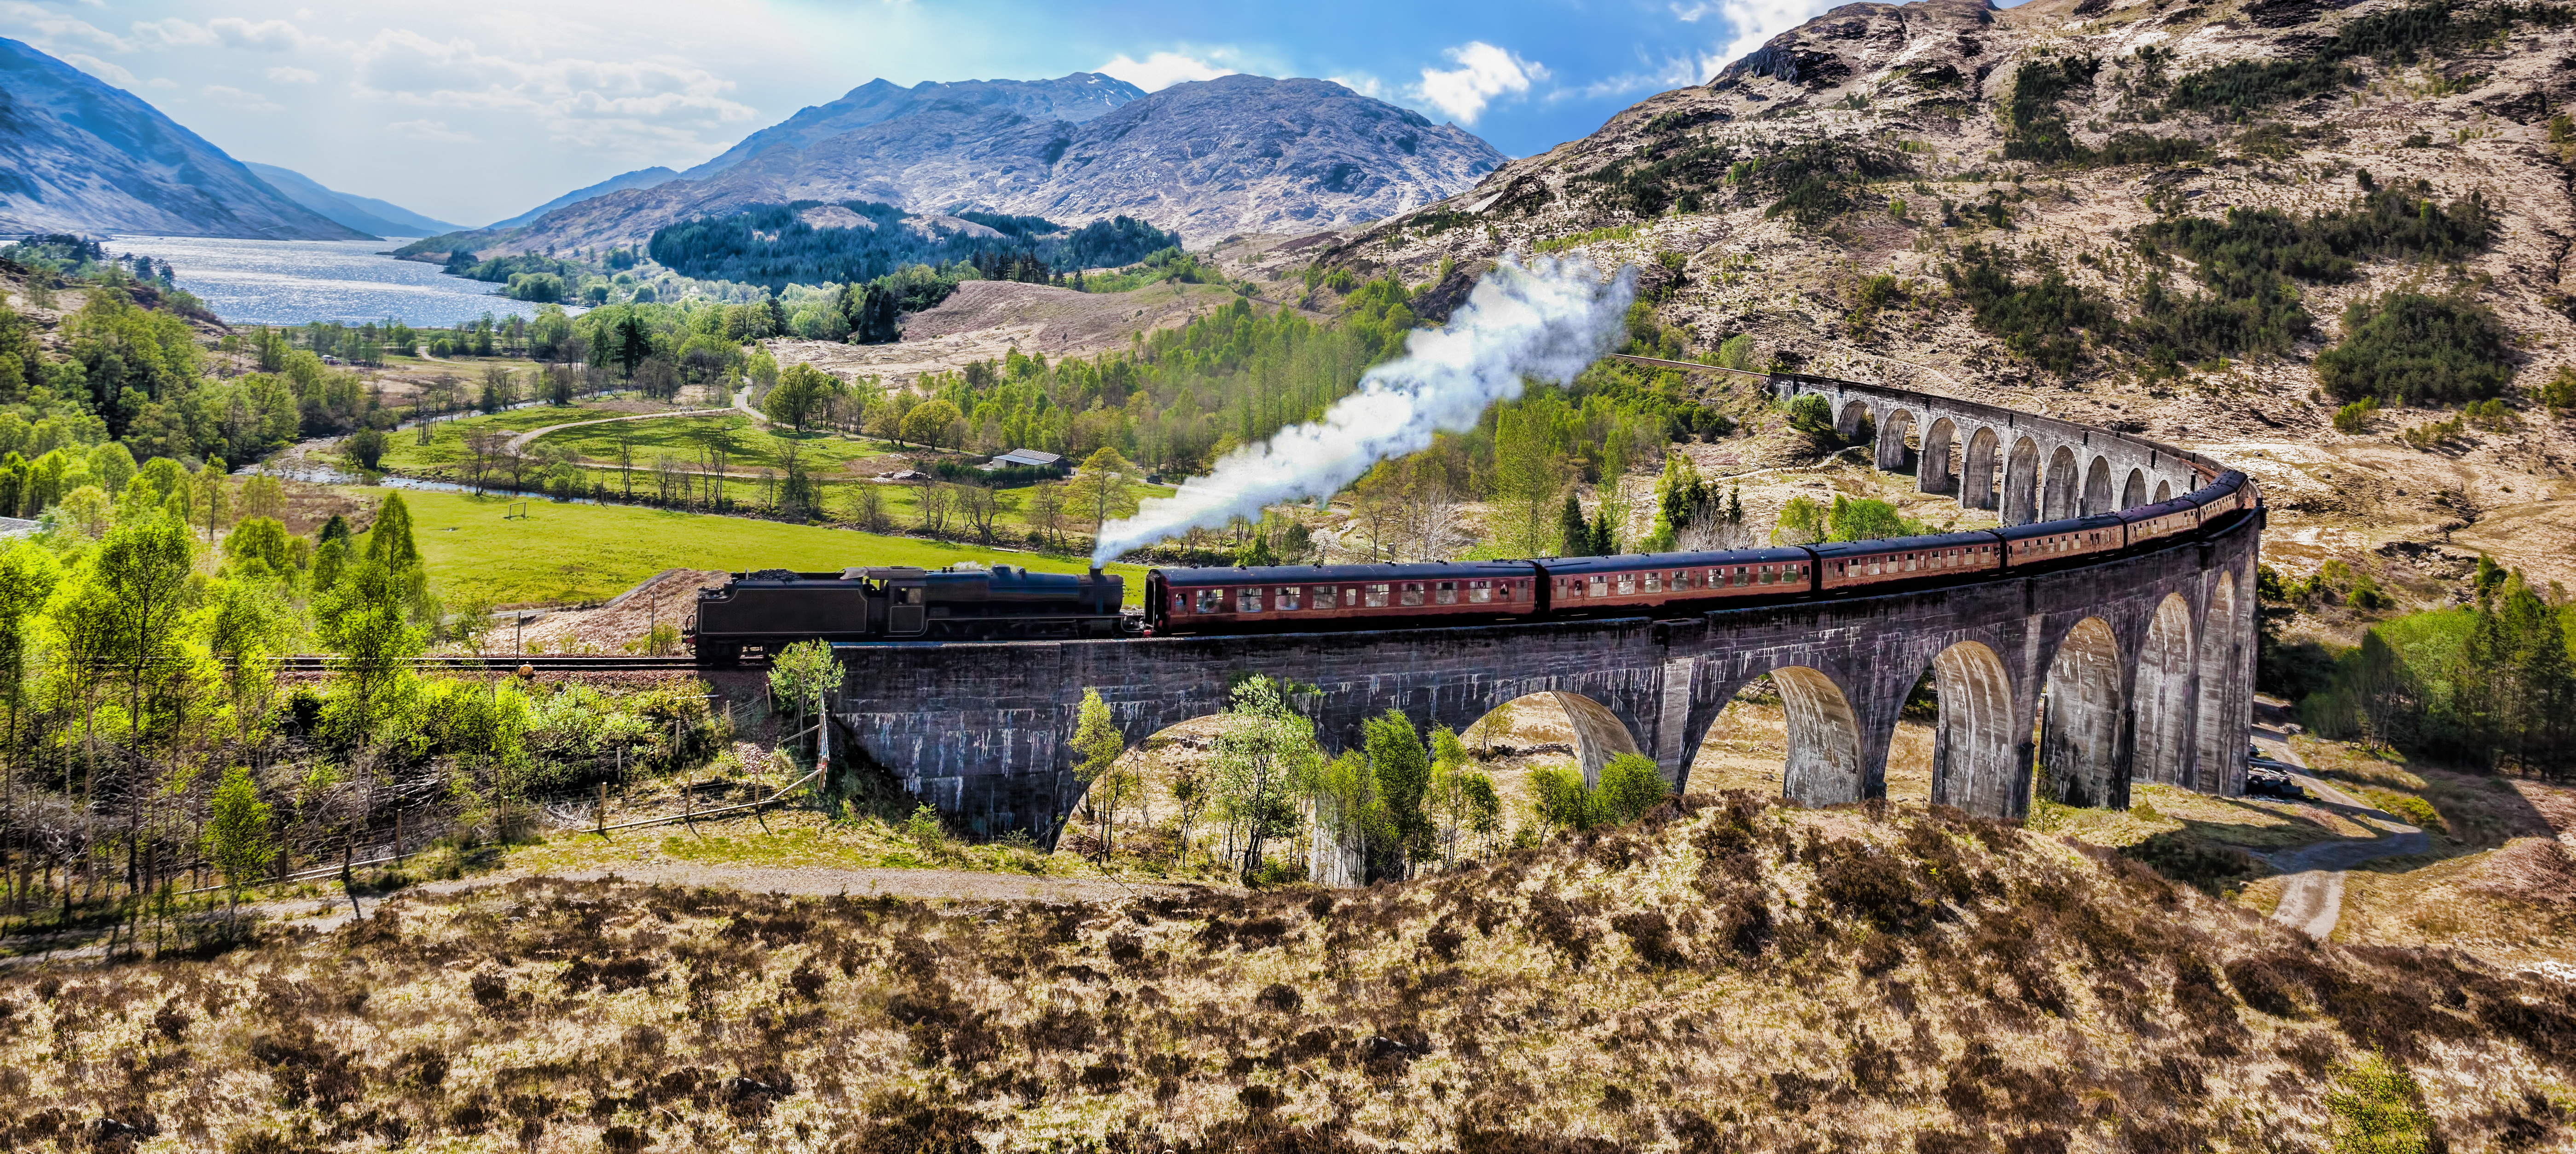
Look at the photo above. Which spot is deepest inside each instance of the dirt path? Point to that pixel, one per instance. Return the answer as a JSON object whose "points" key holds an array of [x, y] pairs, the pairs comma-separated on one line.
{"points": [[2313, 898], [520, 443]]}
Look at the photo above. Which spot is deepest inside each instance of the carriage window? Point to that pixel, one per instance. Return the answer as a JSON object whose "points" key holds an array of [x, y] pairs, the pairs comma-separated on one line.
{"points": [[1180, 603], [1568, 589], [1627, 584], [1410, 593], [1445, 593], [1323, 597], [1743, 576], [1287, 598], [1375, 597], [1654, 582], [1600, 585], [1770, 573], [1247, 601], [1482, 592], [1211, 600]]}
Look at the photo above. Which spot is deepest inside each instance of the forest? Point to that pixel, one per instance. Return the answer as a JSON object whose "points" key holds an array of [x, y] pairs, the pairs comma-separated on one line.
{"points": [[773, 246]]}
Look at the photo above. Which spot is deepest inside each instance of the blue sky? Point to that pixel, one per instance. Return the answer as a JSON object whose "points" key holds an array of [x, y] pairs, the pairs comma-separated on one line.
{"points": [[472, 111]]}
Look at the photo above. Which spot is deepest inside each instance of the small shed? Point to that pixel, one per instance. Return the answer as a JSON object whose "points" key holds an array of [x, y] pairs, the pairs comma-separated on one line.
{"points": [[1023, 459]]}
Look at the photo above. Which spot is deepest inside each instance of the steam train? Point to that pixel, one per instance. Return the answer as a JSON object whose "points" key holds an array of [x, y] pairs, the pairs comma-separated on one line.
{"points": [[771, 608]]}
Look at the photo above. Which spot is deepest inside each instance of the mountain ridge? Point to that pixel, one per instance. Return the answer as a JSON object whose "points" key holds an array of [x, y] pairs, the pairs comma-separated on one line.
{"points": [[363, 213], [84, 157], [1204, 159]]}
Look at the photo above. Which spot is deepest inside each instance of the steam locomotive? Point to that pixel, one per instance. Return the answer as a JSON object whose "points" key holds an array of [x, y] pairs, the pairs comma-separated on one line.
{"points": [[772, 608]]}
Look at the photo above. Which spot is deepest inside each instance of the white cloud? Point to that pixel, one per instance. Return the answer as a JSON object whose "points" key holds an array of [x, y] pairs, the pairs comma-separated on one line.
{"points": [[1677, 72], [1161, 70], [1757, 21], [263, 36], [1483, 73], [232, 97], [288, 75], [1364, 84], [436, 130], [99, 68], [170, 33], [622, 105], [50, 26]]}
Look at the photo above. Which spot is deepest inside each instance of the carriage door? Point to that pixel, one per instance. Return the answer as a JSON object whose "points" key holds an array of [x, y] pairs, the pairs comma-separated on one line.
{"points": [[906, 616]]}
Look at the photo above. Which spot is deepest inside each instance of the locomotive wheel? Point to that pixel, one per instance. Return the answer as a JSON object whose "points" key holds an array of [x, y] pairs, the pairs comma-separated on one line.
{"points": [[724, 655]]}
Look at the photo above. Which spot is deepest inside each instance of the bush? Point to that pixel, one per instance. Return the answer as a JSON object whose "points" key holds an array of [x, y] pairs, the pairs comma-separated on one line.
{"points": [[2417, 349], [2354, 419], [2043, 321], [1630, 785]]}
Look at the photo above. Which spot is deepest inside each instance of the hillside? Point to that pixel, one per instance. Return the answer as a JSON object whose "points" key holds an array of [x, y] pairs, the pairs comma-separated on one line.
{"points": [[1725, 976], [1206, 159], [364, 213], [2047, 192], [79, 156]]}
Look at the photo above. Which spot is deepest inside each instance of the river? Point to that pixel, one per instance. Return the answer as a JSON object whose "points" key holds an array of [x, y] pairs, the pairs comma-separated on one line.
{"points": [[289, 282]]}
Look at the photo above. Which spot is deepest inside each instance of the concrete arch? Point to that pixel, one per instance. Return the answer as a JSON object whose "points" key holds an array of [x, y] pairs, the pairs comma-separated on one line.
{"points": [[2097, 488], [2163, 697], [1854, 424], [1938, 468], [2134, 493], [2084, 738], [2164, 492], [1599, 735], [1977, 470], [1980, 757], [2058, 495], [2020, 500], [2222, 656], [1824, 738], [1892, 451]]}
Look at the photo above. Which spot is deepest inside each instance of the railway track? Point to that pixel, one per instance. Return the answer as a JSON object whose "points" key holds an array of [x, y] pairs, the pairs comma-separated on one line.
{"points": [[536, 662]]}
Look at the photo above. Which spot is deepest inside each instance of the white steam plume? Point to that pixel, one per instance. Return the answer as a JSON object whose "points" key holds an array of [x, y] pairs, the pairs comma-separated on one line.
{"points": [[1546, 321]]}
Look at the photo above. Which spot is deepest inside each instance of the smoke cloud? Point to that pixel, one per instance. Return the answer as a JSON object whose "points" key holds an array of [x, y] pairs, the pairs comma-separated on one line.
{"points": [[1546, 321]]}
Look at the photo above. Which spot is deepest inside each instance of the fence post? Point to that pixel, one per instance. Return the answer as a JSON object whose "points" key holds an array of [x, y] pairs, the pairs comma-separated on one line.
{"points": [[601, 815], [397, 837]]}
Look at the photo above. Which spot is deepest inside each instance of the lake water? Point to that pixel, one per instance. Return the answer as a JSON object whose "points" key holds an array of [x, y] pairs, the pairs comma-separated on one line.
{"points": [[289, 282]]}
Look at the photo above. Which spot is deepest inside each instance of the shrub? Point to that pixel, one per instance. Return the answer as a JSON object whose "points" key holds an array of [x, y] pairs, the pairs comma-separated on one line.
{"points": [[2042, 321], [2354, 419], [2419, 349], [2560, 392], [1630, 785]]}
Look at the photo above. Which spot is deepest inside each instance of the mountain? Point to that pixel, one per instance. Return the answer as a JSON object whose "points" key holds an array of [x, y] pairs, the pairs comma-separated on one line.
{"points": [[1075, 98], [2162, 218], [1205, 159], [79, 156], [364, 213], [640, 178]]}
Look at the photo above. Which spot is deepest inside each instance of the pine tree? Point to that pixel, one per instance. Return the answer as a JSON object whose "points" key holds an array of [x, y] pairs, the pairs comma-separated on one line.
{"points": [[1605, 540], [1577, 538]]}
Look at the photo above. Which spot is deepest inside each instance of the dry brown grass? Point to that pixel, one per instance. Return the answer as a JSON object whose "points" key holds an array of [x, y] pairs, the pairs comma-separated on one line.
{"points": [[1725, 975]]}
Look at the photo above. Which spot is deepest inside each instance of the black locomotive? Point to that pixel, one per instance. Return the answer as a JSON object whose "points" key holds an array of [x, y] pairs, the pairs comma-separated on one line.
{"points": [[772, 608]]}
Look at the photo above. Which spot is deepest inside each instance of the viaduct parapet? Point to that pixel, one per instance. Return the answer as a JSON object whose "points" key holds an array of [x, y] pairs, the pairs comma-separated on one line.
{"points": [[2136, 668]]}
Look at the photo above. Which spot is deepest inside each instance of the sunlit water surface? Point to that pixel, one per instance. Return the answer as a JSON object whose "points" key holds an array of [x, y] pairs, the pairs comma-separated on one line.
{"points": [[289, 282]]}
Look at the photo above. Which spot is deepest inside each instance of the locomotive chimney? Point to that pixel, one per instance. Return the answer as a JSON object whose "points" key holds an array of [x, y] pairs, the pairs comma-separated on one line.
{"points": [[1095, 569]]}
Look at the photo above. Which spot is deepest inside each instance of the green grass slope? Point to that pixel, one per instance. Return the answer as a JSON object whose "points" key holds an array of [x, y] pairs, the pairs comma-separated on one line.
{"points": [[567, 552]]}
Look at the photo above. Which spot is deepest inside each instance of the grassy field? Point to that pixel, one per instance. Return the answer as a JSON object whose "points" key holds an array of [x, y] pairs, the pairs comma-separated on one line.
{"points": [[754, 446], [563, 553]]}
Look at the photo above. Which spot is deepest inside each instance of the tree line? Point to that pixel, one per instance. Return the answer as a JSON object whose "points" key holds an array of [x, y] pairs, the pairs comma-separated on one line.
{"points": [[1398, 804], [151, 743]]}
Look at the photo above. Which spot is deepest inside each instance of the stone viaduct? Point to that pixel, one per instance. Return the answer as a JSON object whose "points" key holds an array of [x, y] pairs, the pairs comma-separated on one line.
{"points": [[2075, 681]]}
